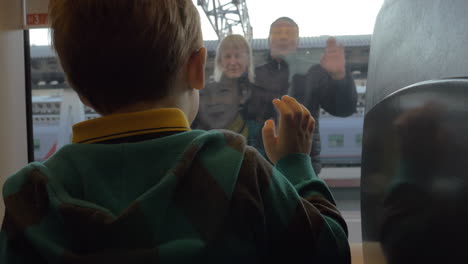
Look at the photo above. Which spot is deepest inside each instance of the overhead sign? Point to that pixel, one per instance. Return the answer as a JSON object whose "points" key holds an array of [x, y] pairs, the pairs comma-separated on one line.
{"points": [[36, 13]]}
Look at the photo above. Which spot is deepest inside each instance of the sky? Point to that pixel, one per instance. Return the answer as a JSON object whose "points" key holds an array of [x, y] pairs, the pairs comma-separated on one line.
{"points": [[314, 17]]}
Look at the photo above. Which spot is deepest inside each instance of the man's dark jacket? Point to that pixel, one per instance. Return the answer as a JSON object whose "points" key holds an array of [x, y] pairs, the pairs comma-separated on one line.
{"points": [[313, 87]]}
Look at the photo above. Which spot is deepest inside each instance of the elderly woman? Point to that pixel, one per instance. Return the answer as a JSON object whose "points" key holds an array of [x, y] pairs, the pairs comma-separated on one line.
{"points": [[222, 101]]}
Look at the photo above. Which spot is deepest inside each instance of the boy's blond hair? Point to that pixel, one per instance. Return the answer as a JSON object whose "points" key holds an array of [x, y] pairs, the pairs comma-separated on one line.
{"points": [[119, 52], [234, 41]]}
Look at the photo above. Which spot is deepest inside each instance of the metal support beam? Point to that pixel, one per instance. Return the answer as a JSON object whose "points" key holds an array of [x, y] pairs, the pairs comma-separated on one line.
{"points": [[228, 17]]}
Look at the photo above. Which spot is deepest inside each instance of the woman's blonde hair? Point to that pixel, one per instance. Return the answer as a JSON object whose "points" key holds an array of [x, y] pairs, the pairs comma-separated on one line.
{"points": [[238, 42], [119, 52]]}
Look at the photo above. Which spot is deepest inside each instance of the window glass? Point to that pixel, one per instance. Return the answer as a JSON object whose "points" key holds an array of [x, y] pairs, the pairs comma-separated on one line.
{"points": [[296, 57]]}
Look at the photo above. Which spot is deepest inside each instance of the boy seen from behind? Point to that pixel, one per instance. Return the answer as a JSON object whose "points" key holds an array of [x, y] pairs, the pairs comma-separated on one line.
{"points": [[137, 185]]}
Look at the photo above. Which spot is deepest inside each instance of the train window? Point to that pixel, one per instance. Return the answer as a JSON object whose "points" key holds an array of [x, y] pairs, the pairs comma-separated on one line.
{"points": [[335, 141], [289, 52], [359, 139]]}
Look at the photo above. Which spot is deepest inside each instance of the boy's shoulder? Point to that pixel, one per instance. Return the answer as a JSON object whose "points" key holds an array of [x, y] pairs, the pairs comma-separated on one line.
{"points": [[221, 152], [31, 174], [219, 147], [224, 145]]}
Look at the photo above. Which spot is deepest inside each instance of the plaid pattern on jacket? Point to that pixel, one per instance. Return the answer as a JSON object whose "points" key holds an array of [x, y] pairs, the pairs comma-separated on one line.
{"points": [[193, 197]]}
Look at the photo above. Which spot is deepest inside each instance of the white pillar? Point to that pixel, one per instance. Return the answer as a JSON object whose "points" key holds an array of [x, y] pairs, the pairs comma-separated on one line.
{"points": [[71, 112], [13, 135]]}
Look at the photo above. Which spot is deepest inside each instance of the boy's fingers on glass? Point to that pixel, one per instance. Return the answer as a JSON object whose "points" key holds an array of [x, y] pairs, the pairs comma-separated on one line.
{"points": [[306, 116], [269, 128], [305, 123], [269, 137], [296, 109], [311, 125], [306, 111], [286, 115], [290, 100]]}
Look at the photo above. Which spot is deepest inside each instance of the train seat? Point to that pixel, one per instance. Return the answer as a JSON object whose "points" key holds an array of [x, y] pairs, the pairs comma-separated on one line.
{"points": [[413, 182], [414, 179]]}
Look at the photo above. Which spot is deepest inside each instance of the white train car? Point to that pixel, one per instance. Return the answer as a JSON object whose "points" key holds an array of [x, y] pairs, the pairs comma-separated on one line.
{"points": [[341, 140], [46, 123]]}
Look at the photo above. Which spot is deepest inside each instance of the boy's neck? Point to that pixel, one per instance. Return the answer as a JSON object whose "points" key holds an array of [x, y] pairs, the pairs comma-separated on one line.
{"points": [[182, 101], [143, 106]]}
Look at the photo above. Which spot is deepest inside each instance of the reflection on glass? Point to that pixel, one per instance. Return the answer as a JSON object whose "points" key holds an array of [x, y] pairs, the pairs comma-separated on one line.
{"points": [[242, 93], [241, 83], [223, 100], [284, 63], [313, 84], [284, 38], [414, 178], [252, 101]]}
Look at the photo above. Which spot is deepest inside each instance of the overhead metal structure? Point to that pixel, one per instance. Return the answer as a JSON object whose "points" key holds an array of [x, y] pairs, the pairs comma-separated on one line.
{"points": [[227, 16]]}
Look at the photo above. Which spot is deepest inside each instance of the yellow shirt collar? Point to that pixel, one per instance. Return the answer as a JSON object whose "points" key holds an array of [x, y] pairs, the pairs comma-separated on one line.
{"points": [[130, 124]]}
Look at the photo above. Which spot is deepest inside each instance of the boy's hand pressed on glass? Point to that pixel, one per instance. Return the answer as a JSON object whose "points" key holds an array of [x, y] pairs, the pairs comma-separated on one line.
{"points": [[295, 132]]}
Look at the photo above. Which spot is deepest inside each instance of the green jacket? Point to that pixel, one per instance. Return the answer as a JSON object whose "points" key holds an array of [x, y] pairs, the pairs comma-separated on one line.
{"points": [[192, 197]]}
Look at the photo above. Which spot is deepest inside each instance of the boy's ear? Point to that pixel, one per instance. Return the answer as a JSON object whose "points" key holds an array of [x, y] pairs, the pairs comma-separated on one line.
{"points": [[84, 101], [196, 69]]}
